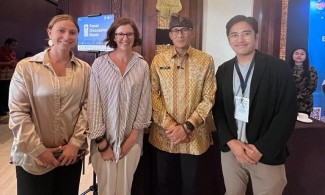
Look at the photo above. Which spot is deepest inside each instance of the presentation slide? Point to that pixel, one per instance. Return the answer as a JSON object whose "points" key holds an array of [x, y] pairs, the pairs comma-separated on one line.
{"points": [[93, 31], [316, 49]]}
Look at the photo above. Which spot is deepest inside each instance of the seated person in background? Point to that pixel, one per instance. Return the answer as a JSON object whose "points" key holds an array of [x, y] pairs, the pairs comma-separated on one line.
{"points": [[306, 79], [8, 60]]}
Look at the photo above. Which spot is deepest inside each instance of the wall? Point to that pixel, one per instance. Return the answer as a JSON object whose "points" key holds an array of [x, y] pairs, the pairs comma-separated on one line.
{"points": [[298, 25], [26, 21], [215, 16], [29, 23]]}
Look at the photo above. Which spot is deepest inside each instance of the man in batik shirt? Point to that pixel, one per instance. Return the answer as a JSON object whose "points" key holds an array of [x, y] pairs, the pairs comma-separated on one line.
{"points": [[183, 88]]}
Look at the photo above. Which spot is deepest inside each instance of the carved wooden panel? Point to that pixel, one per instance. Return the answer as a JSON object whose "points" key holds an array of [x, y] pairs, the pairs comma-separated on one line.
{"points": [[268, 15], [284, 24]]}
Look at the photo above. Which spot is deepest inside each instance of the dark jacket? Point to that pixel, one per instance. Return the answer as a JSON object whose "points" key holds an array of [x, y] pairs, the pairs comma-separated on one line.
{"points": [[272, 111]]}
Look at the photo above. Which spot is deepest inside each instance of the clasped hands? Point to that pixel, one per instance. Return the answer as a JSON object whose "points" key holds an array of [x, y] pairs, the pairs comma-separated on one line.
{"points": [[68, 156], [128, 143], [244, 153], [177, 134]]}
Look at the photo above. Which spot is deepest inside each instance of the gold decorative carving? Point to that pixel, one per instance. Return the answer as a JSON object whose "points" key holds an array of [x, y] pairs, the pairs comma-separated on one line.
{"points": [[284, 24], [167, 7], [116, 8]]}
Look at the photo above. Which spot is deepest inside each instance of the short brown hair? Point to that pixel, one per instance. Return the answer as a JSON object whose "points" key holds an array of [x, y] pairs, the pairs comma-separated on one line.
{"points": [[121, 22], [61, 17]]}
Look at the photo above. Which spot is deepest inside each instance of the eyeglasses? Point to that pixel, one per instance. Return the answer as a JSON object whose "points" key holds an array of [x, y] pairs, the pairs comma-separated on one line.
{"points": [[129, 35], [184, 31], [245, 35]]}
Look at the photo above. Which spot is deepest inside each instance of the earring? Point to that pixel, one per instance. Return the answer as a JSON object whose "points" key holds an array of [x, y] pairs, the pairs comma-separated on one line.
{"points": [[50, 42]]}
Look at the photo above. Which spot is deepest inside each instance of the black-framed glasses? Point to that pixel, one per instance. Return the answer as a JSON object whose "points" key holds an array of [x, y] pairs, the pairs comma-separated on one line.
{"points": [[184, 31], [129, 35], [236, 35]]}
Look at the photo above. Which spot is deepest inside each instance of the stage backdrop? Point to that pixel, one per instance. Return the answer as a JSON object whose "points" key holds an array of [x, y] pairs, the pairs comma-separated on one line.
{"points": [[316, 47]]}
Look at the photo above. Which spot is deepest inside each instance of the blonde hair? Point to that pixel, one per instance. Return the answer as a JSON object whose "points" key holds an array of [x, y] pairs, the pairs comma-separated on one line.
{"points": [[61, 17]]}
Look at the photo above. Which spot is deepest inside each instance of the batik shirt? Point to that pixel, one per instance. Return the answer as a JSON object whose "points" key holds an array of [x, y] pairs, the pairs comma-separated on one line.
{"points": [[305, 88], [183, 89]]}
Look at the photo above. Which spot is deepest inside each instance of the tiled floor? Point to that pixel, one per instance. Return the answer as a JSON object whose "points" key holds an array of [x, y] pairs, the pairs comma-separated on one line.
{"points": [[7, 170]]}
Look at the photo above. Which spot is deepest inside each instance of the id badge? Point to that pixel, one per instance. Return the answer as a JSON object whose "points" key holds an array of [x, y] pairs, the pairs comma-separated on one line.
{"points": [[241, 108]]}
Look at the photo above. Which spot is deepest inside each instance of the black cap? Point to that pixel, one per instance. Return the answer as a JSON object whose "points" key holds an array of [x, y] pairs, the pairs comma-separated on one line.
{"points": [[177, 20]]}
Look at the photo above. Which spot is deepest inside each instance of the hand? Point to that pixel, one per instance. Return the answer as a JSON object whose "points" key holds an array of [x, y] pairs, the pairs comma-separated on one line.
{"points": [[108, 155], [47, 159], [176, 134], [69, 155], [129, 142], [256, 155], [240, 150]]}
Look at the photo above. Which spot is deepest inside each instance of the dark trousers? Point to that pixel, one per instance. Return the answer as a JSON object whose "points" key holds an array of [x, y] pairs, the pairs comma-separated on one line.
{"points": [[60, 181], [4, 94], [174, 174]]}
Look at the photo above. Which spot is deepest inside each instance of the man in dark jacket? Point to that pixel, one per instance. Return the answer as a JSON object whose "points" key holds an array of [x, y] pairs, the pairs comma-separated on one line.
{"points": [[255, 113]]}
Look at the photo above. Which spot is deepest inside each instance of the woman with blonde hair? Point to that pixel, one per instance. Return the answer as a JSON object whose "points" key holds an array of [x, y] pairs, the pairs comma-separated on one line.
{"points": [[47, 102]]}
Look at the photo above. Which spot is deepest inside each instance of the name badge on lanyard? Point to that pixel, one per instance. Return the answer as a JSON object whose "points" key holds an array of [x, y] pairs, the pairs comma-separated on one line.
{"points": [[241, 108], [241, 102]]}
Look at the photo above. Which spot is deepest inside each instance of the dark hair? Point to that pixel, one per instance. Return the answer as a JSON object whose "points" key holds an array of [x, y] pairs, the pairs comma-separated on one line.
{"points": [[240, 18], [305, 64], [121, 22], [10, 41]]}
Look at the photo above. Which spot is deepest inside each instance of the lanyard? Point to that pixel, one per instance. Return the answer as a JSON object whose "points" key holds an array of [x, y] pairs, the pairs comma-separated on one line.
{"points": [[243, 84]]}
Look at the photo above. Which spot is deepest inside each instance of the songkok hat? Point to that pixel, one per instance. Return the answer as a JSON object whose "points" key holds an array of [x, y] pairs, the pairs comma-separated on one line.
{"points": [[177, 20]]}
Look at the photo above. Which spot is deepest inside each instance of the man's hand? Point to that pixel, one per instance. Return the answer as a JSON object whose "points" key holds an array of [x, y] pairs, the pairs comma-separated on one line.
{"points": [[176, 134], [256, 155], [240, 150]]}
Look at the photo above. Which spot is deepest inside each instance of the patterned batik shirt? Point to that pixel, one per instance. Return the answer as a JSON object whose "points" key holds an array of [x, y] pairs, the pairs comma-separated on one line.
{"points": [[183, 89], [305, 88]]}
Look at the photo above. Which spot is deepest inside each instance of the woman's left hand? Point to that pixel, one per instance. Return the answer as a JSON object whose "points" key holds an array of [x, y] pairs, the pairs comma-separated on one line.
{"points": [[69, 155], [129, 142]]}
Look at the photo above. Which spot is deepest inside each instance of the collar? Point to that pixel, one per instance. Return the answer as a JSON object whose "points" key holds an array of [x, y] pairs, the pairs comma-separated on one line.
{"points": [[189, 52], [43, 58]]}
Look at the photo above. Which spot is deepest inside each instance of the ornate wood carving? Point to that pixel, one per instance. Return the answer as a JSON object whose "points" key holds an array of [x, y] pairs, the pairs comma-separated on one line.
{"points": [[268, 15], [284, 24], [116, 8]]}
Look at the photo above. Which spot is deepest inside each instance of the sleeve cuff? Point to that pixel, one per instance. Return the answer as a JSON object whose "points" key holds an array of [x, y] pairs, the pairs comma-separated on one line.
{"points": [[37, 151]]}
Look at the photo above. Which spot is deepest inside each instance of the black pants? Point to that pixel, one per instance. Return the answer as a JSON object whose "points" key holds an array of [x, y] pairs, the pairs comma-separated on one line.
{"points": [[60, 181], [4, 94], [174, 174]]}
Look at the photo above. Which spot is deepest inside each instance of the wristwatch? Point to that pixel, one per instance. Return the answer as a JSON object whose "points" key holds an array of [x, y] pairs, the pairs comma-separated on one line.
{"points": [[189, 127], [100, 139]]}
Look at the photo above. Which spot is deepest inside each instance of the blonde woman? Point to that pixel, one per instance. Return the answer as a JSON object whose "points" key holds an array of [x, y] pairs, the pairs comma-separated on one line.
{"points": [[47, 102]]}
